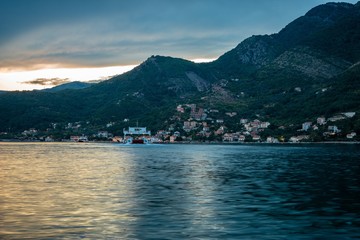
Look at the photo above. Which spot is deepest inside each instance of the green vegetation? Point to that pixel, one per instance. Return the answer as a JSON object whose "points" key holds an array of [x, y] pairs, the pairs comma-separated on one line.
{"points": [[309, 69]]}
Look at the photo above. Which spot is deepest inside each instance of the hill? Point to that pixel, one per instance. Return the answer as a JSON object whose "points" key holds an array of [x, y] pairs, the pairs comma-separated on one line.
{"points": [[309, 69], [70, 85]]}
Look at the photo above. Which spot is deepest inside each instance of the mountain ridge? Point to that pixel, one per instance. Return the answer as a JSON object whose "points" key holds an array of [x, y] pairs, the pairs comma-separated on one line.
{"points": [[70, 85]]}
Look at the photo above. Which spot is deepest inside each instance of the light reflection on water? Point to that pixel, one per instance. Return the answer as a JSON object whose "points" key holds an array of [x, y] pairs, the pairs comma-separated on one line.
{"points": [[97, 191]]}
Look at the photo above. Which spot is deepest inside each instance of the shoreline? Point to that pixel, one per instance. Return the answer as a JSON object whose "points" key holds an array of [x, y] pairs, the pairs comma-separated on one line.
{"points": [[186, 142]]}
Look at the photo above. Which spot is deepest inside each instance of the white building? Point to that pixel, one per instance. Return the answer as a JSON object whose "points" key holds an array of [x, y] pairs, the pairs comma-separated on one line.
{"points": [[294, 139], [243, 120], [333, 129], [321, 120], [103, 134], [349, 114], [351, 135], [306, 126], [264, 124]]}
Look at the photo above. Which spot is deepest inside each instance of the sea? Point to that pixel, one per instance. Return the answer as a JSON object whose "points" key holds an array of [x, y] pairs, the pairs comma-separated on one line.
{"points": [[179, 191]]}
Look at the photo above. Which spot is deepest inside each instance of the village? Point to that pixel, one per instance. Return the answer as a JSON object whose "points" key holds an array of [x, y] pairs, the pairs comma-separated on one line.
{"points": [[193, 124]]}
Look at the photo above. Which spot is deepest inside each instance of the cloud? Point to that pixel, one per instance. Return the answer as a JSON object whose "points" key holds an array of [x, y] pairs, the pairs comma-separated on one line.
{"points": [[63, 47], [92, 33], [47, 81], [119, 32]]}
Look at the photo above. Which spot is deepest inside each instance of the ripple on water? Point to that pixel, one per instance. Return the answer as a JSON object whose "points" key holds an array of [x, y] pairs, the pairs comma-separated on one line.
{"points": [[91, 191]]}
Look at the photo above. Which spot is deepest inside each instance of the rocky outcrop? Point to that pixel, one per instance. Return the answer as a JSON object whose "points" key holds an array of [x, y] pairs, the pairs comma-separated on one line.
{"points": [[200, 84], [257, 50], [311, 63]]}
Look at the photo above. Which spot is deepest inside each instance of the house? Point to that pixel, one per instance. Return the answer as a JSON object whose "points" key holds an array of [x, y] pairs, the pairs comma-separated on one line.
{"points": [[198, 115], [48, 139], [161, 133], [189, 125], [173, 138], [233, 137], [220, 131], [186, 126], [351, 135], [191, 106], [255, 123], [231, 114], [349, 114], [156, 140], [193, 124], [303, 137], [256, 138], [228, 137], [333, 129], [321, 120], [206, 129], [248, 127], [30, 132], [241, 138], [306, 126], [110, 124], [336, 118], [74, 138], [180, 109], [247, 133], [264, 124], [236, 136], [103, 134], [294, 139], [299, 138], [243, 120]]}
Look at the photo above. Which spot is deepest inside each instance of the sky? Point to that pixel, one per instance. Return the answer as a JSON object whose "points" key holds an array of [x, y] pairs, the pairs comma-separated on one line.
{"points": [[48, 42]]}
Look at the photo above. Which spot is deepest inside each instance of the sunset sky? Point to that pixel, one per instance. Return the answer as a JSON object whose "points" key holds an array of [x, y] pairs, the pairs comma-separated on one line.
{"points": [[47, 42]]}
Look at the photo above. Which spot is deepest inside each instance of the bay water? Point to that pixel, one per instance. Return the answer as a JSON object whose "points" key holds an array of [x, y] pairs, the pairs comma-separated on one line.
{"points": [[114, 191]]}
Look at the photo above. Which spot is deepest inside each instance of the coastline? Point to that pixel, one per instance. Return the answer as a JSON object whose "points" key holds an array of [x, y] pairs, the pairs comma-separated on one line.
{"points": [[187, 142]]}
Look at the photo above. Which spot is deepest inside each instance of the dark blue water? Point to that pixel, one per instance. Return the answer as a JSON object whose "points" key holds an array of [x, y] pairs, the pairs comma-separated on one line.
{"points": [[109, 191]]}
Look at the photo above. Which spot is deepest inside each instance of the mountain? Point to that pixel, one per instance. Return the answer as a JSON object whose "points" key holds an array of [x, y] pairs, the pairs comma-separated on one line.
{"points": [[70, 85], [310, 68], [307, 39]]}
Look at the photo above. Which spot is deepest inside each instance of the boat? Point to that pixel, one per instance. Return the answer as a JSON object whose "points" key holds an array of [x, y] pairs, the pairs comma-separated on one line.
{"points": [[137, 135]]}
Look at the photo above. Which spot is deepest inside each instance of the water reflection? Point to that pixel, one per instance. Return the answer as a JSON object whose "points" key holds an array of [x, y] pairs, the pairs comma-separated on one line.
{"points": [[102, 191], [55, 189]]}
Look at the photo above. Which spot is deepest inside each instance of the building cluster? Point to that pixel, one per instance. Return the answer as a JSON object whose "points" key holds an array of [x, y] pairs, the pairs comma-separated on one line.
{"points": [[191, 123], [331, 129], [206, 123], [211, 122]]}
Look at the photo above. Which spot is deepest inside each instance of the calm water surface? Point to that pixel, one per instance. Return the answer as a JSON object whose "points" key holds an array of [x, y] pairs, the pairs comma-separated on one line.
{"points": [[110, 191]]}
